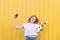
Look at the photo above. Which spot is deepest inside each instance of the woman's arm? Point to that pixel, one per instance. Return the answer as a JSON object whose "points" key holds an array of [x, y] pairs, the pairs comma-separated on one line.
{"points": [[16, 19], [18, 27]]}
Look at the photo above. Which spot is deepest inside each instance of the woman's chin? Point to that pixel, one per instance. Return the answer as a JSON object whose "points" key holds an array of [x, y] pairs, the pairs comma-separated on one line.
{"points": [[31, 22]]}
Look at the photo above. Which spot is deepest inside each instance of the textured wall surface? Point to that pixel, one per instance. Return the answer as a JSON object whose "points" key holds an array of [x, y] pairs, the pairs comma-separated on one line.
{"points": [[43, 9]]}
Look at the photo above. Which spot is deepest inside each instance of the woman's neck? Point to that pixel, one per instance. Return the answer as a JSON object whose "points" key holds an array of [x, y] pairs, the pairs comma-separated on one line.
{"points": [[32, 22]]}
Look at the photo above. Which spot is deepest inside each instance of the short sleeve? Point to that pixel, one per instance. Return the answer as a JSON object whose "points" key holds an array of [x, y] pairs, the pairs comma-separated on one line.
{"points": [[38, 28], [24, 24]]}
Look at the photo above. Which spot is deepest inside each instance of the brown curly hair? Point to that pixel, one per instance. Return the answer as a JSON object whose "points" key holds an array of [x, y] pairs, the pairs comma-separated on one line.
{"points": [[36, 21]]}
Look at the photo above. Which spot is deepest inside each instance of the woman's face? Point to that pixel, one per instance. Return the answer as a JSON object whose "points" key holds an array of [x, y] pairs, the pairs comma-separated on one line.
{"points": [[33, 19]]}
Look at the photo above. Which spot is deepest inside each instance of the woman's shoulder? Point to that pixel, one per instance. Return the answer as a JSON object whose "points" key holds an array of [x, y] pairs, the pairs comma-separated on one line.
{"points": [[26, 23], [38, 24]]}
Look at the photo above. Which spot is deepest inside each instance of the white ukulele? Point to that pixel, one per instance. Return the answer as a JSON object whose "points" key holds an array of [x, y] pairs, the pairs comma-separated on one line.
{"points": [[38, 29]]}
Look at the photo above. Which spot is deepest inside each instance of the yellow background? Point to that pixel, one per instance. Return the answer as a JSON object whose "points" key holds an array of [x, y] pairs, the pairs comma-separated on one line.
{"points": [[43, 9]]}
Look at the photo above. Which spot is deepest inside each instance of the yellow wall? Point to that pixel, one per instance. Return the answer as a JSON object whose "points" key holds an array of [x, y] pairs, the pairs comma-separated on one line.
{"points": [[43, 9]]}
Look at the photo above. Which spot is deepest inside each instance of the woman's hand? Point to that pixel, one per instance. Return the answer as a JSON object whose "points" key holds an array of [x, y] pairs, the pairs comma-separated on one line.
{"points": [[39, 32], [16, 16], [16, 20]]}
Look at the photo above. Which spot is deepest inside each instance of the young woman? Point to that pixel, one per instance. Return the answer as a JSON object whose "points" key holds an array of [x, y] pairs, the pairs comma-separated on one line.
{"points": [[31, 29]]}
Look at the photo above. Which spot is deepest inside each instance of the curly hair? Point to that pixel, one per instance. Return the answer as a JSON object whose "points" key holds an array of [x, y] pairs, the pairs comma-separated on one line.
{"points": [[36, 21]]}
